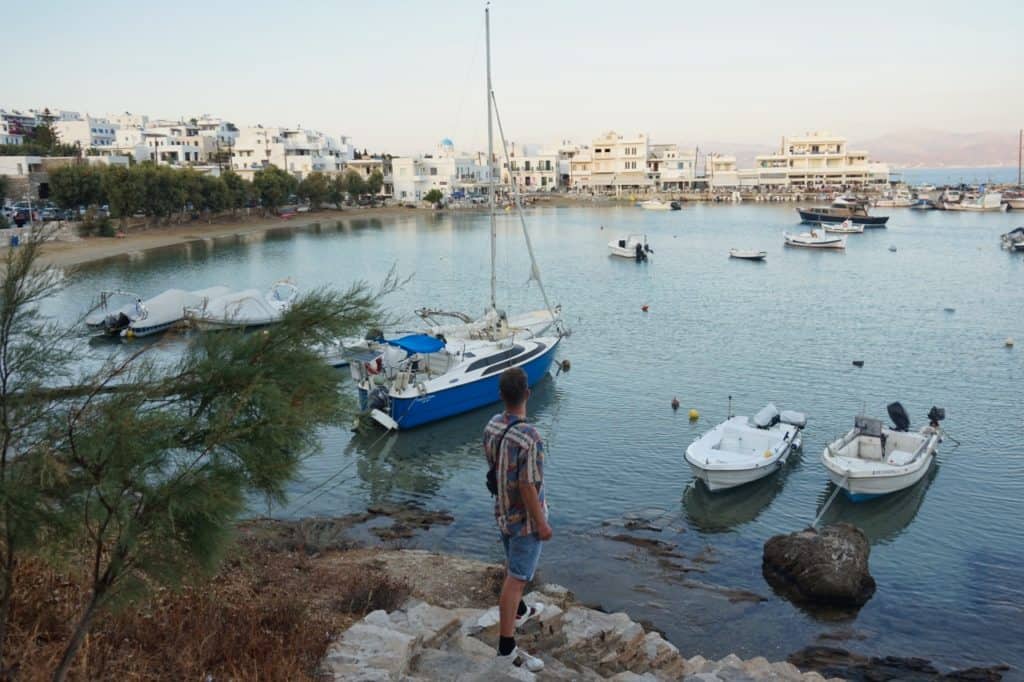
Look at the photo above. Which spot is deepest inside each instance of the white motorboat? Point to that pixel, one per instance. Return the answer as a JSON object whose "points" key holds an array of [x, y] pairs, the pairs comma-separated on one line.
{"points": [[815, 239], [986, 201], [742, 450], [245, 309], [1016, 203], [747, 254], [845, 227], [899, 198], [163, 311], [633, 246], [872, 459], [658, 205]]}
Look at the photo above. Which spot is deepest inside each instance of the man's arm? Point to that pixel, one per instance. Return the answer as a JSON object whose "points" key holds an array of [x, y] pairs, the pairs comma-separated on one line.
{"points": [[530, 476], [528, 491]]}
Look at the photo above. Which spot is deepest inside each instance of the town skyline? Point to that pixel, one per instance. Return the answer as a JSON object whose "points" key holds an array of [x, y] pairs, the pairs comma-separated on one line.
{"points": [[560, 72]]}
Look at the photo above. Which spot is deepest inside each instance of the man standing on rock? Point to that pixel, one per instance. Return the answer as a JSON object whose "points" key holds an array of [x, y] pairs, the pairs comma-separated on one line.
{"points": [[515, 453]]}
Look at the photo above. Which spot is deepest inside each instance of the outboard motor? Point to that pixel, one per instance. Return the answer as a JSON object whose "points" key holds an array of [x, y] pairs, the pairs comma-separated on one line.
{"points": [[899, 417], [639, 251], [378, 399], [935, 415]]}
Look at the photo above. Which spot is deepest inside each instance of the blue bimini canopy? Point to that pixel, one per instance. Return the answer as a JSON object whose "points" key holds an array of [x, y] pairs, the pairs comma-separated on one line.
{"points": [[418, 343]]}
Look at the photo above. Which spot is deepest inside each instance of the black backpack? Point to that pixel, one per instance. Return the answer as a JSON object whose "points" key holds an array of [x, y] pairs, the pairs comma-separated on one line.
{"points": [[492, 477]]}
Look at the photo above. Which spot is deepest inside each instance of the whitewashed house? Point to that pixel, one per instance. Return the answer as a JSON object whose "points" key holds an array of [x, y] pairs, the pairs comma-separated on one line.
{"points": [[670, 169], [530, 167], [454, 174], [817, 159], [99, 134], [619, 164]]}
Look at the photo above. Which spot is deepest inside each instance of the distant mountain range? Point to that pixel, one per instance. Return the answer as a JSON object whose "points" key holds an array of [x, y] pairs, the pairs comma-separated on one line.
{"points": [[917, 149]]}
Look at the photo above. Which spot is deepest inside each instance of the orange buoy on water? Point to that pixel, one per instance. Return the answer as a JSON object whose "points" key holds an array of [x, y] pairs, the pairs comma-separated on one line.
{"points": [[675, 403], [644, 307]]}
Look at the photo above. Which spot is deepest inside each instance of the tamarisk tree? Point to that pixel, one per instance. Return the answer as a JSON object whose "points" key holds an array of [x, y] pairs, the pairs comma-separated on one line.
{"points": [[134, 471]]}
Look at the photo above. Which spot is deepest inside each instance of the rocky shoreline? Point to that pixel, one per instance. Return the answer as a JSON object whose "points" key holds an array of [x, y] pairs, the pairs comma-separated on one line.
{"points": [[447, 629]]}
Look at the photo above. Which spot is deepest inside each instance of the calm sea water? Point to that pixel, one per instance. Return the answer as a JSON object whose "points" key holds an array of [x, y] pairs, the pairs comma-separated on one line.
{"points": [[956, 176], [947, 554]]}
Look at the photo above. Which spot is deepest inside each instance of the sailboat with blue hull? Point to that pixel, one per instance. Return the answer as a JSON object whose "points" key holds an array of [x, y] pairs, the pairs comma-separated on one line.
{"points": [[425, 377]]}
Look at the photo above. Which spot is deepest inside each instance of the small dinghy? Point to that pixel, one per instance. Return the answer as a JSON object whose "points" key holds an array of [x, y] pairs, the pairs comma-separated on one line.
{"points": [[747, 254], [845, 227], [815, 239], [873, 459], [245, 309], [1013, 240], [657, 205], [634, 246], [742, 450]]}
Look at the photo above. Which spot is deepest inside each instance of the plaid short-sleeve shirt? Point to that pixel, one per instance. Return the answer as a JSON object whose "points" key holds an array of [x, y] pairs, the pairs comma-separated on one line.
{"points": [[520, 458]]}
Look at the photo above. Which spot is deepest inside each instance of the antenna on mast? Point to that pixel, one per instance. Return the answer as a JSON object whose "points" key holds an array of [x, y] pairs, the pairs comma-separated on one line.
{"points": [[490, 158]]}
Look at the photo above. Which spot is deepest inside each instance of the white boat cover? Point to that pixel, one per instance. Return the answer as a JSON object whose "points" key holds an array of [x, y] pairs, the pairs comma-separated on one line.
{"points": [[169, 306], [766, 417], [242, 308], [794, 418]]}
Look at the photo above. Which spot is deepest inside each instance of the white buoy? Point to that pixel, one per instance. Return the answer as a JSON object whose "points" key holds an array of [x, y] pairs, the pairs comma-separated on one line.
{"points": [[1009, 342]]}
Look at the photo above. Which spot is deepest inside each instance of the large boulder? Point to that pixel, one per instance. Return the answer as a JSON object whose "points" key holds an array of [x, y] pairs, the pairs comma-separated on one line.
{"points": [[827, 567]]}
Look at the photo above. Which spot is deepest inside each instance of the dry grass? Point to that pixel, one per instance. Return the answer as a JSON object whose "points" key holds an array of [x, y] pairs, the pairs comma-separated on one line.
{"points": [[265, 616]]}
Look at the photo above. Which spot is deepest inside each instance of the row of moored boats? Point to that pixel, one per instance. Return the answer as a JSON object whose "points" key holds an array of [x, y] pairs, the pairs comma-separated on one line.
{"points": [[212, 308], [870, 460]]}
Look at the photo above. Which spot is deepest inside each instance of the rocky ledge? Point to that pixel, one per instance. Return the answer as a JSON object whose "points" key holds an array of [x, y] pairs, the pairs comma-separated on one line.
{"points": [[423, 641]]}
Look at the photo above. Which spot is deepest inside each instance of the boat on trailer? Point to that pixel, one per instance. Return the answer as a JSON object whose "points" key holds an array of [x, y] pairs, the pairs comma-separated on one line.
{"points": [[741, 450], [873, 459]]}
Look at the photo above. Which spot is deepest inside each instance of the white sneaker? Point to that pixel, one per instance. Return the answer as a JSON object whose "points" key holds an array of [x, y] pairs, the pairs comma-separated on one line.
{"points": [[532, 611], [521, 659]]}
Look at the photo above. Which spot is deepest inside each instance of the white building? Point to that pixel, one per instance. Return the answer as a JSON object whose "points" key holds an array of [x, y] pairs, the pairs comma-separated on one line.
{"points": [[671, 169], [530, 167], [450, 172], [619, 163], [368, 165], [721, 172], [129, 120], [7, 134], [85, 131], [297, 150], [817, 159]]}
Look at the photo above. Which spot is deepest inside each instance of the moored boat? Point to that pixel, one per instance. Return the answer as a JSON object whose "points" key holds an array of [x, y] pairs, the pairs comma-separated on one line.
{"points": [[632, 246], [244, 309], [898, 198], [658, 205], [741, 450], [873, 459], [986, 202], [815, 240], [747, 254], [1013, 240], [841, 209], [845, 227]]}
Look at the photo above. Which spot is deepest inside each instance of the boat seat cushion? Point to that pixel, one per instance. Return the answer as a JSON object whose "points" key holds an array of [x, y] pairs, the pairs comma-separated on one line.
{"points": [[900, 458]]}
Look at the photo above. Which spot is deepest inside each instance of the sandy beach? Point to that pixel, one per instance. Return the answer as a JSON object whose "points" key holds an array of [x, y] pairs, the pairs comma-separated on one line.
{"points": [[140, 239]]}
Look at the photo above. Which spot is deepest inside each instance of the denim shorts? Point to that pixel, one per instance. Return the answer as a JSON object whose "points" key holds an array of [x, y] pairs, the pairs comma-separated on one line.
{"points": [[522, 553]]}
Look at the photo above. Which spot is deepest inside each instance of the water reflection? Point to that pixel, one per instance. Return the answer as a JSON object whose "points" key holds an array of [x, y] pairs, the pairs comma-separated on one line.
{"points": [[882, 519], [727, 510]]}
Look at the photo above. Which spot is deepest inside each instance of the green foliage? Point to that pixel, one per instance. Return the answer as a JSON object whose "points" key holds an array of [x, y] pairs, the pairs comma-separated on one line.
{"points": [[32, 148], [336, 191], [375, 182], [95, 224], [5, 185], [273, 186], [238, 190], [354, 184], [124, 191], [142, 466], [433, 196], [76, 185], [315, 188]]}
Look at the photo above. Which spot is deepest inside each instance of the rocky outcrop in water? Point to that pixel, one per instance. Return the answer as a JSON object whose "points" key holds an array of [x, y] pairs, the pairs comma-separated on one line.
{"points": [[833, 661], [827, 567]]}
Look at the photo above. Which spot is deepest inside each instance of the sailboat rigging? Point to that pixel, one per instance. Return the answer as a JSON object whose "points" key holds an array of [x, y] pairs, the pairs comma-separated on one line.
{"points": [[454, 368]]}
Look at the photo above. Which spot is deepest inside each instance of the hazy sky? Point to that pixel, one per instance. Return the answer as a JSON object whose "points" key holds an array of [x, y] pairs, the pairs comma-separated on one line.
{"points": [[398, 76]]}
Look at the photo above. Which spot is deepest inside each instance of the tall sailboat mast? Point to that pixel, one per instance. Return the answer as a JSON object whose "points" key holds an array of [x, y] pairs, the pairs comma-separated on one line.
{"points": [[490, 162]]}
